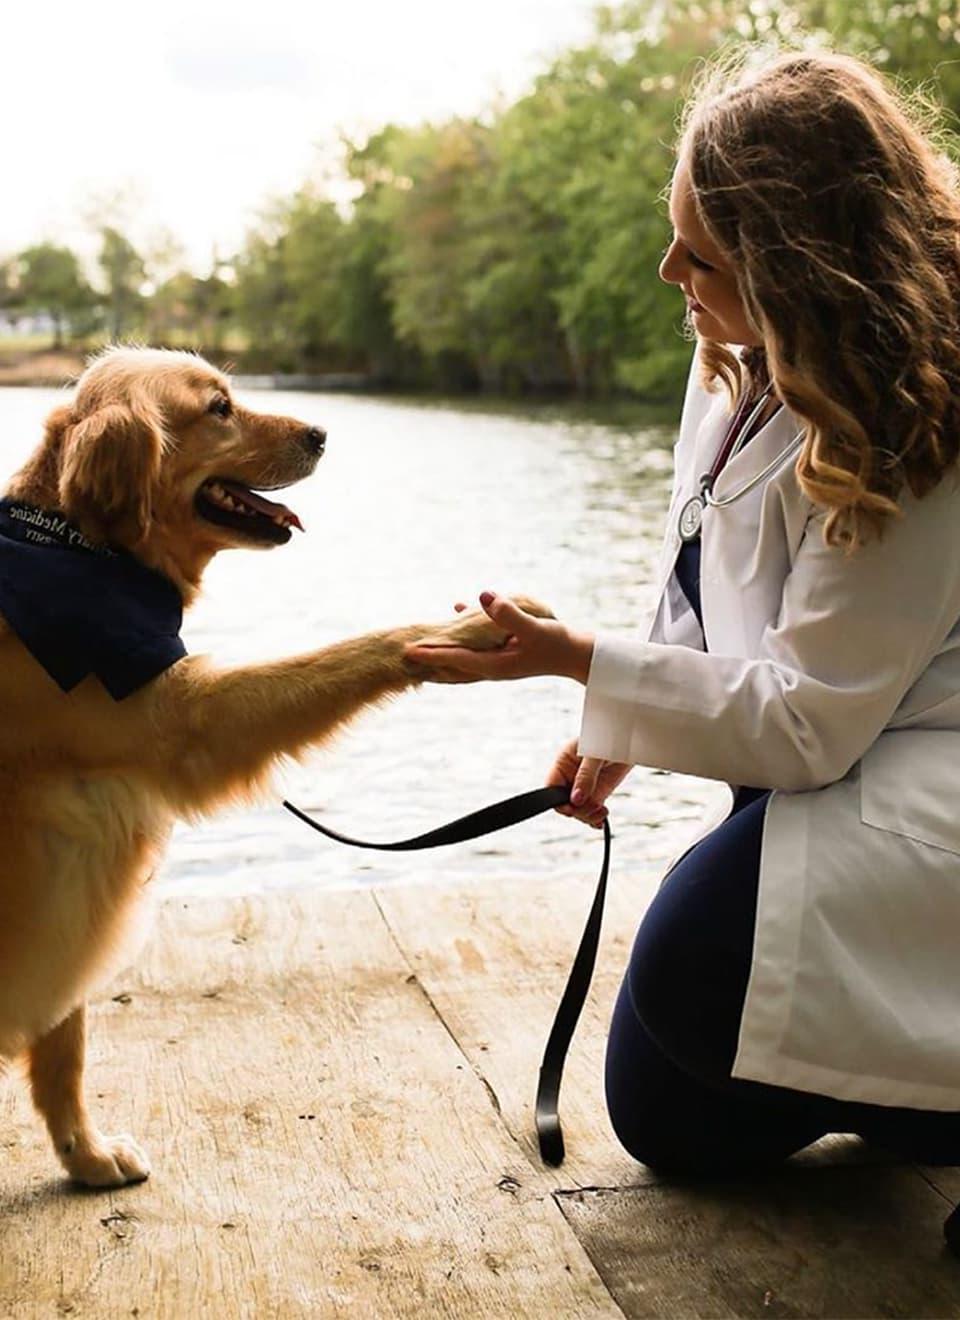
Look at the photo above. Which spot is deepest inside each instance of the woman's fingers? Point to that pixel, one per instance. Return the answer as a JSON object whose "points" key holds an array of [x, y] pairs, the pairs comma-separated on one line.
{"points": [[593, 817], [518, 647], [500, 663], [451, 676], [585, 782], [506, 615], [570, 768]]}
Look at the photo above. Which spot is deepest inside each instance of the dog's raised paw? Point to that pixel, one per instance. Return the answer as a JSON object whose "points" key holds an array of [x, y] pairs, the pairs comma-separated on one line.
{"points": [[535, 607], [474, 630], [107, 1162]]}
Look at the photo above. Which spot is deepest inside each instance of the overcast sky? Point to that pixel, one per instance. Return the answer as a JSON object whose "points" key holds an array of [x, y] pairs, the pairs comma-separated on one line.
{"points": [[197, 112]]}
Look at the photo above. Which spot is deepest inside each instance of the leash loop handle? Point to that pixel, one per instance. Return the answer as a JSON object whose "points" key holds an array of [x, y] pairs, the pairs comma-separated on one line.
{"points": [[511, 811]]}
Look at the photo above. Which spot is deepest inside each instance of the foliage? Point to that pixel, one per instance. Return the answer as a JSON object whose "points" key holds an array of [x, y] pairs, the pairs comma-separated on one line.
{"points": [[124, 273], [518, 251], [48, 279], [187, 310], [514, 251]]}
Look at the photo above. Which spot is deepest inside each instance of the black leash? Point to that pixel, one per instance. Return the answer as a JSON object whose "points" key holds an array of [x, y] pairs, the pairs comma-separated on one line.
{"points": [[486, 821]]}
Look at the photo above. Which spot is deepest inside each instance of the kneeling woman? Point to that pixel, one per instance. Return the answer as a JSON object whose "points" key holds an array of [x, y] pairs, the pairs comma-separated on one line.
{"points": [[797, 972]]}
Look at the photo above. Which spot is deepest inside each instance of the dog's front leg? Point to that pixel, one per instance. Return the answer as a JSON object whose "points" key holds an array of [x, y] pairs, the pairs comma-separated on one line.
{"points": [[56, 1080], [228, 727]]}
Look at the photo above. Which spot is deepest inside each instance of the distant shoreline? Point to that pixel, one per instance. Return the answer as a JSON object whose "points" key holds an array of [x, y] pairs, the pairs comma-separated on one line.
{"points": [[53, 368], [50, 368], [58, 369]]}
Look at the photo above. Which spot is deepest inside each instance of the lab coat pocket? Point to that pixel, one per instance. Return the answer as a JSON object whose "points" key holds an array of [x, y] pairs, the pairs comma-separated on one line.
{"points": [[910, 785]]}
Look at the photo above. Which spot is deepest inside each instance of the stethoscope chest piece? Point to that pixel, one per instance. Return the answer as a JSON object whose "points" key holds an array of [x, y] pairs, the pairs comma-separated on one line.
{"points": [[691, 518]]}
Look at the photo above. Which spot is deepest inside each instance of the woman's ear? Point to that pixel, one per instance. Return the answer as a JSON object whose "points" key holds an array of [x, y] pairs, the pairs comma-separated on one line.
{"points": [[110, 462]]}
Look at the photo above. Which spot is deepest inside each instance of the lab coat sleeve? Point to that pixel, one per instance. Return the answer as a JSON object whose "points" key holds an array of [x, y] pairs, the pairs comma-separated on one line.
{"points": [[853, 634]]}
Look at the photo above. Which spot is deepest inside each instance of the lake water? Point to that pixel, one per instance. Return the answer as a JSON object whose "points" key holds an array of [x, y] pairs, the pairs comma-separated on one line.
{"points": [[417, 505]]}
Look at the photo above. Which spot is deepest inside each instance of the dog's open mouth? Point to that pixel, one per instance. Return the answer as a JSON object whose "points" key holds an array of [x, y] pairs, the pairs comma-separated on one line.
{"points": [[233, 505]]}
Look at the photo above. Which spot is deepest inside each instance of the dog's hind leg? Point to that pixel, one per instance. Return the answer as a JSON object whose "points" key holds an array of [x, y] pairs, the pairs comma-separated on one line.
{"points": [[56, 1080]]}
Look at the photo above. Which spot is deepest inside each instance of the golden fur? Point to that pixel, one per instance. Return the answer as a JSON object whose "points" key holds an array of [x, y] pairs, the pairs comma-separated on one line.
{"points": [[89, 786]]}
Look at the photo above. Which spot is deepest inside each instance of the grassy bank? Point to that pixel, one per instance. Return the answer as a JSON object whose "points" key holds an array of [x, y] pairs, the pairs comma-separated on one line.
{"points": [[39, 365]]}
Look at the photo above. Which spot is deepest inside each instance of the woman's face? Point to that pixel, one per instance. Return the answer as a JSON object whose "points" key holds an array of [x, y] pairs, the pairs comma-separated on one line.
{"points": [[696, 264]]}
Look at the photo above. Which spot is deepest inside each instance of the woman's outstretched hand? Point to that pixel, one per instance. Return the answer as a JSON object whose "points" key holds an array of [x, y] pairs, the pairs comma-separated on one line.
{"points": [[590, 780], [533, 645]]}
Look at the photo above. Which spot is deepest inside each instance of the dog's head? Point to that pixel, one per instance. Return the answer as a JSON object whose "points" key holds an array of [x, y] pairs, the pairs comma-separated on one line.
{"points": [[155, 455]]}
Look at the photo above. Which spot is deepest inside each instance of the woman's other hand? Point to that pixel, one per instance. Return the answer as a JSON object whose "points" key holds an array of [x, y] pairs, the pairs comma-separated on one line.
{"points": [[590, 780], [505, 639]]}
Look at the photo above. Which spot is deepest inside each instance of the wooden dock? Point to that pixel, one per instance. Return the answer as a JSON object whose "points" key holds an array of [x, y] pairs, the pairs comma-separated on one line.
{"points": [[336, 1093]]}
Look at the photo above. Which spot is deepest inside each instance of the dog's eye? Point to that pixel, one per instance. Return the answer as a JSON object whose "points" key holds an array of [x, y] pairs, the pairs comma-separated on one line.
{"points": [[221, 406]]}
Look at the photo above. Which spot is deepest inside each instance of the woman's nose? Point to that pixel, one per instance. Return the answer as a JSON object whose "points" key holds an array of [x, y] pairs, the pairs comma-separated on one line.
{"points": [[668, 269]]}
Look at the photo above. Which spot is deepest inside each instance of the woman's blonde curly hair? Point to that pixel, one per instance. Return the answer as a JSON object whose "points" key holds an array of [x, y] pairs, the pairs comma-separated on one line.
{"points": [[829, 194]]}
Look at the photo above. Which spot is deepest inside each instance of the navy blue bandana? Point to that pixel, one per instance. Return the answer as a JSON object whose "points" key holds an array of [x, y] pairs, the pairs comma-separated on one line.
{"points": [[81, 608]]}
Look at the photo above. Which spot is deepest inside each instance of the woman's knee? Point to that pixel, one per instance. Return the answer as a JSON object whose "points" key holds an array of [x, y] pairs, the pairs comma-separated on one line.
{"points": [[682, 1129], [684, 994], [690, 962], [656, 1112], [635, 1116]]}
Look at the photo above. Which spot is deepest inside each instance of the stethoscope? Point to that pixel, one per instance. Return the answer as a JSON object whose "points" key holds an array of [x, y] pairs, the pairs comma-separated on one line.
{"points": [[691, 515]]}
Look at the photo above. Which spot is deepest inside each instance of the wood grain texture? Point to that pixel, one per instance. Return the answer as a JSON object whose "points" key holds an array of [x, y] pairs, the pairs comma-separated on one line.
{"points": [[811, 1242], [946, 1181], [494, 960], [337, 1091], [321, 1146]]}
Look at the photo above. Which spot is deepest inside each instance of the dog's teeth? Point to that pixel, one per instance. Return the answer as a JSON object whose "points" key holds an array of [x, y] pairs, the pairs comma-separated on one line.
{"points": [[216, 493]]}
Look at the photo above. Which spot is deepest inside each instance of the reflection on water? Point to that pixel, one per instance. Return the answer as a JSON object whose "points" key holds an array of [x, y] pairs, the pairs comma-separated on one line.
{"points": [[416, 506]]}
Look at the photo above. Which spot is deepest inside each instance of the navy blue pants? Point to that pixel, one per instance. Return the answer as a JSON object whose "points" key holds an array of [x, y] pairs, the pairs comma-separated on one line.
{"points": [[673, 1038]]}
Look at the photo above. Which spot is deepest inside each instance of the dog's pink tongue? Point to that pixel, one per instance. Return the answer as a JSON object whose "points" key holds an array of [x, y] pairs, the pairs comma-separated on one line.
{"points": [[255, 501]]}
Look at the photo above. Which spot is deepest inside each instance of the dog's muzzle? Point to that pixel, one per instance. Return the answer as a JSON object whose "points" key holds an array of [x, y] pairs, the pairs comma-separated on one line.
{"points": [[314, 441]]}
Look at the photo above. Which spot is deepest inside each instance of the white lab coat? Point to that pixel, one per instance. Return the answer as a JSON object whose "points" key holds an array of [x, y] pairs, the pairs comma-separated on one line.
{"points": [[835, 681]]}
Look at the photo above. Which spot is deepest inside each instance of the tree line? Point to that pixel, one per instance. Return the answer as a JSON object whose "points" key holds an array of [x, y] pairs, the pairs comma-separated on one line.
{"points": [[515, 251]]}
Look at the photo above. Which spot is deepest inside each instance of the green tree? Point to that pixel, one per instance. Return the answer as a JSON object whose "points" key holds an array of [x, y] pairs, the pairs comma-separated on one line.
{"points": [[9, 284], [918, 40], [210, 306], [286, 293], [168, 313], [364, 314], [423, 181], [311, 253], [50, 280], [262, 304], [519, 250], [124, 275]]}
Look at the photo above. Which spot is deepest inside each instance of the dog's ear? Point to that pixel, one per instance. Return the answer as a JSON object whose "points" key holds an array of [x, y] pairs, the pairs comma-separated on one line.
{"points": [[110, 461], [57, 422]]}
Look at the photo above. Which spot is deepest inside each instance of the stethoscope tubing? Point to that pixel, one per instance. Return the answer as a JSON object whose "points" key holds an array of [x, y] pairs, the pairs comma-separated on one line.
{"points": [[713, 502], [746, 429]]}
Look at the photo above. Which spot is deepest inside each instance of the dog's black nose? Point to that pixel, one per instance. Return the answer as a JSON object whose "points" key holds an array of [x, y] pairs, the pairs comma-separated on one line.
{"points": [[315, 439]]}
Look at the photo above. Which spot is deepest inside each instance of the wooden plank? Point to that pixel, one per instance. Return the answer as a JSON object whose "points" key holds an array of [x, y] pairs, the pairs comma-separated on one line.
{"points": [[812, 1242], [320, 1144], [946, 1180], [494, 959]]}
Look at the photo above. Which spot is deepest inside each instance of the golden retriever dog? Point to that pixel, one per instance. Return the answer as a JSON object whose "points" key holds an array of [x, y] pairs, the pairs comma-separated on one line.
{"points": [[154, 460]]}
